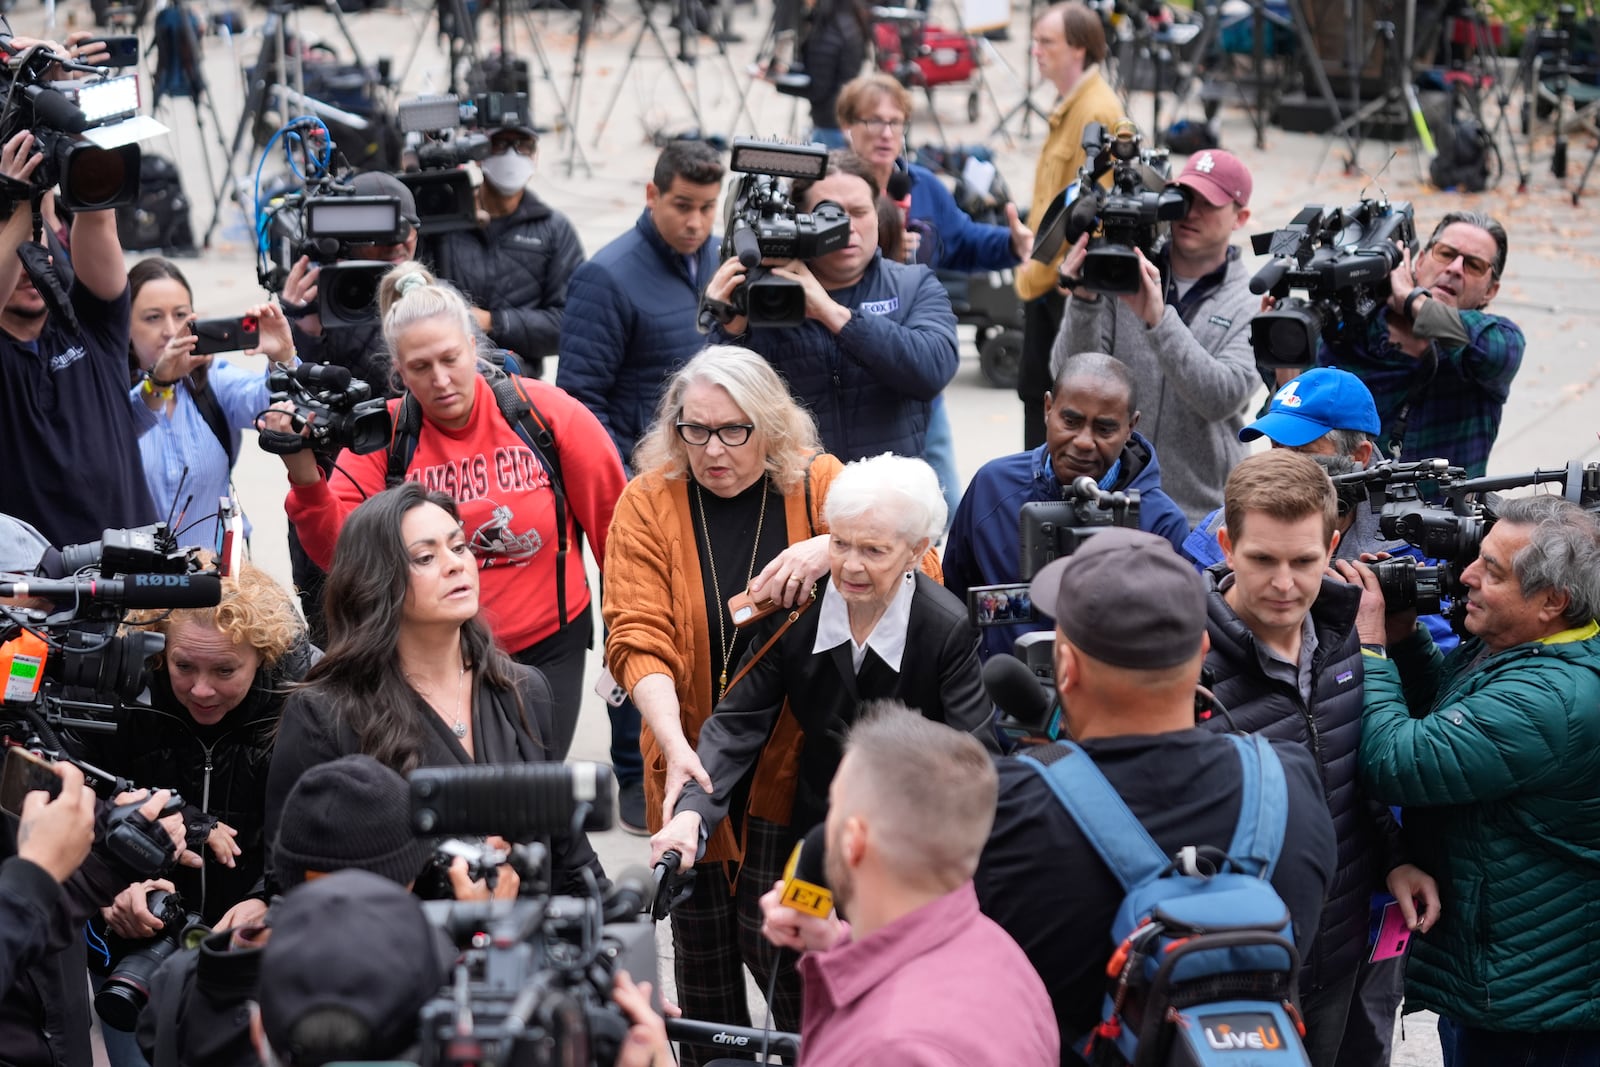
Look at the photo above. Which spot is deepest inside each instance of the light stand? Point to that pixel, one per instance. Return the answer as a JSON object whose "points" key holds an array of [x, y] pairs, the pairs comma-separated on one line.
{"points": [[575, 156], [1025, 107], [1399, 90], [181, 75], [270, 70]]}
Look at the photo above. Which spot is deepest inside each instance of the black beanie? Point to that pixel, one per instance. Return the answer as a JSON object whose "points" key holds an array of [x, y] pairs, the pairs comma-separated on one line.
{"points": [[351, 813]]}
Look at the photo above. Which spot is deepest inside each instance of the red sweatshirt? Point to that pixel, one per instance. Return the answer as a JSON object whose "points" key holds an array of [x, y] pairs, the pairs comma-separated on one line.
{"points": [[506, 502]]}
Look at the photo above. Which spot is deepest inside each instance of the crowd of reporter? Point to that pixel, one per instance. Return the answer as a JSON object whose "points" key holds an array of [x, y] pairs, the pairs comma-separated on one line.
{"points": [[454, 620]]}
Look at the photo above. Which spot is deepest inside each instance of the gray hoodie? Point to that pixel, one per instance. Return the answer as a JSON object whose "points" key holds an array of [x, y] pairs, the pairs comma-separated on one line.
{"points": [[1193, 382]]}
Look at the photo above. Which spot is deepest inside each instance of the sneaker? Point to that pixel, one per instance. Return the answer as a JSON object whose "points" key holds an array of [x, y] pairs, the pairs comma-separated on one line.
{"points": [[630, 809]]}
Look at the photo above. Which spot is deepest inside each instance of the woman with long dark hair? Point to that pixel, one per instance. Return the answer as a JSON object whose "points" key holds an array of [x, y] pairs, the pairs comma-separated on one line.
{"points": [[412, 676], [188, 409]]}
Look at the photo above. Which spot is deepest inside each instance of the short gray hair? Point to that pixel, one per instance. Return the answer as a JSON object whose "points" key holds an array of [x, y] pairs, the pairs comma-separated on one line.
{"points": [[1096, 367], [931, 788], [903, 488], [1488, 224], [1562, 553], [1345, 442]]}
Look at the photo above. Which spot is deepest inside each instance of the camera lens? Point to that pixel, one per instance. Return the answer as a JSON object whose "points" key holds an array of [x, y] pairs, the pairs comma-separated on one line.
{"points": [[93, 177], [127, 990]]}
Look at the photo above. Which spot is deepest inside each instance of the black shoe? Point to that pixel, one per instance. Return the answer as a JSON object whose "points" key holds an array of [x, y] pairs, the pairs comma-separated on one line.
{"points": [[630, 809]]}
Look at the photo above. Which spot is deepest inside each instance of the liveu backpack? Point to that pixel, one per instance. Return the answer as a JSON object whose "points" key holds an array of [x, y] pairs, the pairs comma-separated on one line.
{"points": [[1205, 964]]}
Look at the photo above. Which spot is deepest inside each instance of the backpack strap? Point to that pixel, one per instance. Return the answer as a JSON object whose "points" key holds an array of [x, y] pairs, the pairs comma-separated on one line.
{"points": [[403, 439], [216, 419], [519, 410], [1263, 806], [1119, 838]]}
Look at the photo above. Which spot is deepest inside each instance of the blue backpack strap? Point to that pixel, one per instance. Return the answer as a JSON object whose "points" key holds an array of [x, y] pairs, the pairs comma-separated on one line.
{"points": [[1263, 806], [1120, 839]]}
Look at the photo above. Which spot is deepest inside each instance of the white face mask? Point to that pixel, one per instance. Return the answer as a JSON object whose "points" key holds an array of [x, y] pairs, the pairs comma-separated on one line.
{"points": [[507, 172]]}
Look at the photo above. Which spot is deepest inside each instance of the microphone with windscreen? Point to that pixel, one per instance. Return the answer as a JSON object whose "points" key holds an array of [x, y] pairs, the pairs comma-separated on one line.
{"points": [[1029, 712], [805, 881]]}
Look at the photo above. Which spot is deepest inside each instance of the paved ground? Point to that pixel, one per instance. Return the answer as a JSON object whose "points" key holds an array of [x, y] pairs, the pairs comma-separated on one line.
{"points": [[1550, 419]]}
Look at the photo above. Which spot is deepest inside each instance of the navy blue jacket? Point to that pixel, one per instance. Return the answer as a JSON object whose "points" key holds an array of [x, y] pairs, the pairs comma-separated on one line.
{"points": [[985, 539], [630, 323], [872, 386], [960, 243]]}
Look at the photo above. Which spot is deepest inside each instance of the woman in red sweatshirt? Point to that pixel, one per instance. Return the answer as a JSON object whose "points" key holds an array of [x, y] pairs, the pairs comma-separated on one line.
{"points": [[467, 449]]}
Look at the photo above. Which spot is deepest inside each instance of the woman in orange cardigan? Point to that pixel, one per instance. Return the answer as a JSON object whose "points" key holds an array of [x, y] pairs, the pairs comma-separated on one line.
{"points": [[730, 501]]}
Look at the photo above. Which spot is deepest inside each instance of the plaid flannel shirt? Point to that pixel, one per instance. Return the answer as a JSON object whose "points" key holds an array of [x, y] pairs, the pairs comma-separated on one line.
{"points": [[1457, 415]]}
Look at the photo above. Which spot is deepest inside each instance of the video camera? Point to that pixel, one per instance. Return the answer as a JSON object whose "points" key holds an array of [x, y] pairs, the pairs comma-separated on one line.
{"points": [[126, 989], [452, 134], [1341, 259], [339, 409], [1135, 213], [86, 130], [763, 223], [1445, 516], [532, 983], [326, 221]]}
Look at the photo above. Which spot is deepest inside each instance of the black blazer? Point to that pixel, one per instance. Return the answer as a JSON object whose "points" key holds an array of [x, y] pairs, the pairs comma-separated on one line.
{"points": [[938, 676]]}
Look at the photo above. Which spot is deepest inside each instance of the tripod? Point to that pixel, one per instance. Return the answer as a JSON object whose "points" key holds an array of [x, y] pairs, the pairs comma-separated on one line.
{"points": [[1399, 91], [455, 23], [503, 16], [689, 26], [1024, 107], [1588, 169], [575, 154], [178, 73], [268, 73]]}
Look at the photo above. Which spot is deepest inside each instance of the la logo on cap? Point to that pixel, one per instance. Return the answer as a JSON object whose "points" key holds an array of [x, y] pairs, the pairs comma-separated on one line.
{"points": [[1205, 164], [1288, 396]]}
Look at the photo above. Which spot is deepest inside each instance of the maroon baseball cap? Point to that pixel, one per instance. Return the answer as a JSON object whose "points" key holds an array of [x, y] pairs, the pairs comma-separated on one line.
{"points": [[1218, 176]]}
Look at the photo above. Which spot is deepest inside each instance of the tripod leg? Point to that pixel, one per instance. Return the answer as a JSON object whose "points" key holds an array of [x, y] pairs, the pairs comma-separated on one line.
{"points": [[1583, 182], [622, 78]]}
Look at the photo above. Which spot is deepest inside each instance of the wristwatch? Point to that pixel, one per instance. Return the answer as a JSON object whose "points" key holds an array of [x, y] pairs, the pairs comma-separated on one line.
{"points": [[1412, 297]]}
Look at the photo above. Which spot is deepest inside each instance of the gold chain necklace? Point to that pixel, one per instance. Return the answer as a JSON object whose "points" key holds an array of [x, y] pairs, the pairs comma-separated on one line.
{"points": [[724, 645]]}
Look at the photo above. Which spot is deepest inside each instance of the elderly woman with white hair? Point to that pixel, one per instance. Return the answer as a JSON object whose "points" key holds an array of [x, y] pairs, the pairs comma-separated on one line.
{"points": [[878, 630]]}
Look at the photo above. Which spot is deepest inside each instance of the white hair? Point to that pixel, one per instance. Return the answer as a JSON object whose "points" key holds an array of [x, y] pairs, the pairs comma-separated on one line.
{"points": [[900, 488]]}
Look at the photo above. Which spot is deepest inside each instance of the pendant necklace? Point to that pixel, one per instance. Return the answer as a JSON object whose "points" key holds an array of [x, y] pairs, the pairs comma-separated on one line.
{"points": [[724, 645]]}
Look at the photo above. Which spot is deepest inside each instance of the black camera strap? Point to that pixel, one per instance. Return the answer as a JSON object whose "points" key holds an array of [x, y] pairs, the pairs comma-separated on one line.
{"points": [[1428, 367]]}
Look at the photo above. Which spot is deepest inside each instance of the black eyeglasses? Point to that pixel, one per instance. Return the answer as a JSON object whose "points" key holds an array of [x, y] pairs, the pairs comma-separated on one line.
{"points": [[1445, 255], [733, 435]]}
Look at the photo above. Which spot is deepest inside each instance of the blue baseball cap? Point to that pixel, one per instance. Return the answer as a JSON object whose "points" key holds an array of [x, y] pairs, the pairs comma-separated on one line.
{"points": [[1308, 407]]}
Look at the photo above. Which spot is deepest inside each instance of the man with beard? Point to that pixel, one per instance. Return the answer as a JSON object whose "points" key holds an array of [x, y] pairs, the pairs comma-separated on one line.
{"points": [[65, 424], [918, 976], [1089, 416]]}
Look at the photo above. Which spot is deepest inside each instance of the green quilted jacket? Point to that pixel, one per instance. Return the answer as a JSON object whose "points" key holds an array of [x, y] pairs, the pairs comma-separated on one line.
{"points": [[1498, 768]]}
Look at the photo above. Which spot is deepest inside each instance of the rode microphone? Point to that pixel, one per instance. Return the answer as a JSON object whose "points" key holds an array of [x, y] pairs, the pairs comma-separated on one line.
{"points": [[1027, 708], [805, 883], [133, 591]]}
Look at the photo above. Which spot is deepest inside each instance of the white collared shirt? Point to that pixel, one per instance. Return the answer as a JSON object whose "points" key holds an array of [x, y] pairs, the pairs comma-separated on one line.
{"points": [[888, 637]]}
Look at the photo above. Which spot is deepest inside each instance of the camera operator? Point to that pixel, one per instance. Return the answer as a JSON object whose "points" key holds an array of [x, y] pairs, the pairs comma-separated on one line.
{"points": [[879, 340], [1495, 753], [917, 976], [359, 348], [44, 1009], [52, 838], [1069, 44], [1188, 347], [350, 814], [1130, 640], [515, 267], [1286, 662], [64, 418], [1090, 415], [1438, 364], [1327, 413]]}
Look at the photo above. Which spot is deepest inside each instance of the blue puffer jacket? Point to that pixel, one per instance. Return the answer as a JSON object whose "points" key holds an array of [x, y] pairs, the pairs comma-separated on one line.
{"points": [[960, 243], [985, 545], [870, 387], [630, 323]]}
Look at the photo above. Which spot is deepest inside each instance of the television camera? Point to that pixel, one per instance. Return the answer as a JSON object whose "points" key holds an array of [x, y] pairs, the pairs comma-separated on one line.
{"points": [[451, 132], [1435, 508], [764, 224], [1341, 259], [1135, 213]]}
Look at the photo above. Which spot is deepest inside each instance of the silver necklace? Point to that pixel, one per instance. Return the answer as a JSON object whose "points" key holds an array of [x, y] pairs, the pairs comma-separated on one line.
{"points": [[459, 726]]}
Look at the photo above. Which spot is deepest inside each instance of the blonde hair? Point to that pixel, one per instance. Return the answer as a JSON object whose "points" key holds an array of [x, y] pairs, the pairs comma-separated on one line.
{"points": [[860, 94], [788, 429], [255, 612], [409, 294]]}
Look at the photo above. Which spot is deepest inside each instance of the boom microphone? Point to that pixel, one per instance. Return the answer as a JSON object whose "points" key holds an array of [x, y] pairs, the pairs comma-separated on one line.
{"points": [[1015, 690], [805, 882], [160, 591], [631, 894], [52, 108]]}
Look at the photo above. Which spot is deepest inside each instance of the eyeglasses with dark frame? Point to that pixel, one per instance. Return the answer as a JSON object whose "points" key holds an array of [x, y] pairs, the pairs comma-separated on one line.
{"points": [[1444, 255], [733, 434]]}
